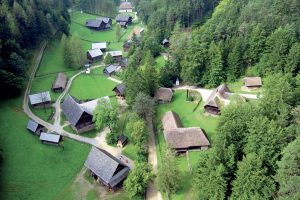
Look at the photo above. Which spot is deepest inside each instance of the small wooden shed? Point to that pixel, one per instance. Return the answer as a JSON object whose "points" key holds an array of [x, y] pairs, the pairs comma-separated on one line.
{"points": [[60, 83], [49, 138]]}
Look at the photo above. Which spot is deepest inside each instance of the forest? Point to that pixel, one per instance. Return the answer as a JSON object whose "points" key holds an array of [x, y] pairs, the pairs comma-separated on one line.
{"points": [[24, 24], [107, 8]]}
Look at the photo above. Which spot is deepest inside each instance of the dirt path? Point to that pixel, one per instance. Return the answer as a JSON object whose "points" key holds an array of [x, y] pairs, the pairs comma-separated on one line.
{"points": [[152, 191]]}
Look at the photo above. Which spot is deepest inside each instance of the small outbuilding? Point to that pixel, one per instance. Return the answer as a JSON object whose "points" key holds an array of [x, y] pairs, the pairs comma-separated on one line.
{"points": [[166, 43], [120, 90], [111, 69], [252, 82], [163, 95], [49, 138], [117, 55], [42, 99], [122, 140], [106, 169], [124, 18], [99, 45], [125, 7], [99, 23], [60, 83], [94, 54], [35, 127]]}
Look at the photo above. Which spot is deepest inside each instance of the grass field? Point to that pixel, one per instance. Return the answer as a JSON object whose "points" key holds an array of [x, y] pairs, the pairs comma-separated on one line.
{"points": [[31, 170], [237, 87], [189, 119]]}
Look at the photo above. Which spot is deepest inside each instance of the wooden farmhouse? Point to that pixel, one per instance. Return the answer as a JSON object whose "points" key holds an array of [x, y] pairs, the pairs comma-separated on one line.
{"points": [[99, 23], [80, 115], [182, 139], [166, 43], [117, 55], [163, 95], [120, 90], [125, 7], [49, 138], [123, 19], [35, 127], [94, 55], [40, 100], [106, 169], [99, 45], [122, 141], [60, 83], [217, 100], [111, 69], [252, 82]]}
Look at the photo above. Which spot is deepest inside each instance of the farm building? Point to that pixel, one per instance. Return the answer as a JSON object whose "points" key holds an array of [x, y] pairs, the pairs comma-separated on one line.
{"points": [[123, 18], [35, 127], [106, 169], [117, 55], [94, 54], [166, 43], [99, 24], [100, 45], [122, 141], [252, 82], [138, 32], [182, 139], [49, 138], [80, 115], [163, 95], [217, 100], [60, 83], [120, 90], [42, 99], [125, 7], [126, 45], [111, 69]]}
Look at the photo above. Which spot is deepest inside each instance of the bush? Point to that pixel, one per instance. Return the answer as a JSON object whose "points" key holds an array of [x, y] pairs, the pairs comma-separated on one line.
{"points": [[112, 138]]}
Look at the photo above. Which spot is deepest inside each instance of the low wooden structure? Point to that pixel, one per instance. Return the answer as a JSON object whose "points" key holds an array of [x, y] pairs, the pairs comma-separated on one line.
{"points": [[125, 7], [111, 69], [182, 139], [49, 138], [123, 18], [94, 54], [35, 127], [60, 83], [215, 101], [117, 55], [40, 100], [106, 169], [166, 43], [99, 45], [163, 95], [122, 141], [120, 90], [252, 82], [99, 24]]}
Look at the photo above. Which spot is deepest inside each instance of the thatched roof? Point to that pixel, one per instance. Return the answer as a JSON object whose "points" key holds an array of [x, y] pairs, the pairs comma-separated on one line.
{"points": [[180, 138], [111, 170], [252, 82], [170, 121], [214, 99], [163, 94], [60, 82]]}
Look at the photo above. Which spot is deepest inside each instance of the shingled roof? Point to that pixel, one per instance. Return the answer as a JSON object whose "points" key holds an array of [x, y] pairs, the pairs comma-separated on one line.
{"points": [[122, 18], [171, 120], [214, 99], [121, 88], [32, 125], [60, 82], [49, 137], [115, 53], [180, 138], [99, 45], [164, 94], [39, 98], [125, 6], [93, 23], [108, 168], [95, 53], [252, 82]]}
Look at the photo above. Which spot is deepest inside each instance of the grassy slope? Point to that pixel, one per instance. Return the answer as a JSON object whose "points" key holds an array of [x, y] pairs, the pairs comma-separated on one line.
{"points": [[198, 118], [30, 169], [160, 62]]}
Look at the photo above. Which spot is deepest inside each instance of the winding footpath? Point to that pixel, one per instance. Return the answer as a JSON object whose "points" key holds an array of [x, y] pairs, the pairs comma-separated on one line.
{"points": [[98, 141]]}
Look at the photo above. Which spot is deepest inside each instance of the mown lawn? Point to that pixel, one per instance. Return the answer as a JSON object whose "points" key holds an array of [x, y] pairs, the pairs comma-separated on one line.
{"points": [[31, 170], [237, 87], [189, 119]]}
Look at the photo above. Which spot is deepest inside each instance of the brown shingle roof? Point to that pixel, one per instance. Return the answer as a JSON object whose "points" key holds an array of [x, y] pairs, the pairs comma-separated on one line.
{"points": [[60, 82], [163, 94], [214, 100], [180, 138], [171, 120], [252, 81]]}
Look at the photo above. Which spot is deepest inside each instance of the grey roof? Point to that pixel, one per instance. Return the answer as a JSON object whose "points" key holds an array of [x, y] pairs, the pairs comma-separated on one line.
{"points": [[93, 23], [39, 98], [99, 45], [252, 81], [104, 19], [123, 23], [104, 165], [125, 6], [214, 99], [95, 53], [72, 110], [50, 137], [165, 41], [115, 53], [121, 88], [111, 68], [32, 125], [122, 18], [61, 81]]}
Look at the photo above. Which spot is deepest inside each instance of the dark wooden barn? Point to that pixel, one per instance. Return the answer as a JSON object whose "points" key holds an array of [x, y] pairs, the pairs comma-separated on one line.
{"points": [[94, 54], [35, 127], [120, 90], [117, 55], [124, 18], [60, 83], [99, 24]]}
